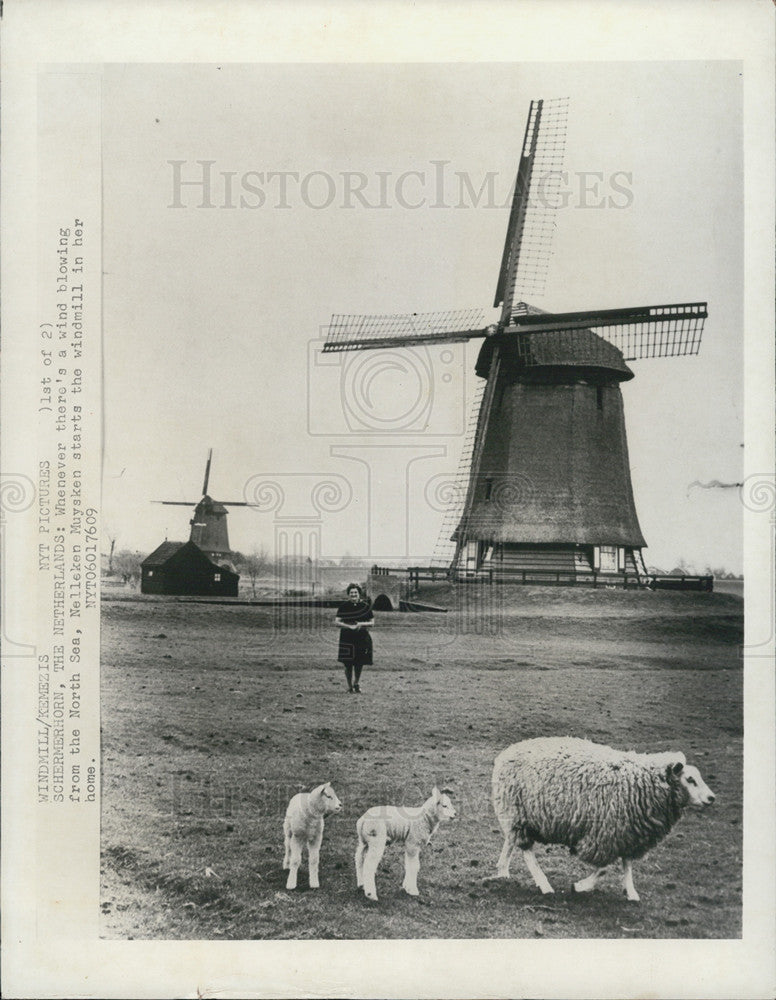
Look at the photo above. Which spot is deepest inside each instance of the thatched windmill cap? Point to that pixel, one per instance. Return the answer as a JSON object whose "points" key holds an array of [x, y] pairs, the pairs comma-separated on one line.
{"points": [[560, 351], [211, 506]]}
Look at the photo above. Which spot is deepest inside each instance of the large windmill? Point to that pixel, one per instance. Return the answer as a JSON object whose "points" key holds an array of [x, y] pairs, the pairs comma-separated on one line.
{"points": [[547, 476], [208, 525]]}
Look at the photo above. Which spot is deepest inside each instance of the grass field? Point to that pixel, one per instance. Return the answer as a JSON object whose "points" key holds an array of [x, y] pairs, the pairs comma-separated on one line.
{"points": [[214, 716]]}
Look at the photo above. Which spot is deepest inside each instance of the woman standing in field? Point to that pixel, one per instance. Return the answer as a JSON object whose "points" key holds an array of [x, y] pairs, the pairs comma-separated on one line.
{"points": [[355, 618]]}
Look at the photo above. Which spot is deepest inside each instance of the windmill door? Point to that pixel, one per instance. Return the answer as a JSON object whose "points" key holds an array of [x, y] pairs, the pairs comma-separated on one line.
{"points": [[472, 552], [609, 559]]}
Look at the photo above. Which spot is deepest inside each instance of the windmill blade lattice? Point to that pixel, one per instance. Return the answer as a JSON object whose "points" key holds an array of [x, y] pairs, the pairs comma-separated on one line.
{"points": [[455, 490], [358, 333], [670, 331], [207, 472], [638, 332], [531, 228], [194, 503]]}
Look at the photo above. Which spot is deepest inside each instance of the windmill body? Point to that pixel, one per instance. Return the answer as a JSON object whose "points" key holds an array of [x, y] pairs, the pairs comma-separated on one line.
{"points": [[552, 489], [209, 531], [545, 481]]}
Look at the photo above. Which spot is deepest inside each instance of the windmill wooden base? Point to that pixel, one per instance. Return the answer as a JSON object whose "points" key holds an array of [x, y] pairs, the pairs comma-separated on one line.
{"points": [[551, 563]]}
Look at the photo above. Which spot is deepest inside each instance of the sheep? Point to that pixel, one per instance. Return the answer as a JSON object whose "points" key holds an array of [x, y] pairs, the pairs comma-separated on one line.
{"points": [[602, 803], [303, 826], [412, 827]]}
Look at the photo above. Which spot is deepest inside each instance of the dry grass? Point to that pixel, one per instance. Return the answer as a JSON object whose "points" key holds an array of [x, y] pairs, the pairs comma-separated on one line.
{"points": [[213, 716]]}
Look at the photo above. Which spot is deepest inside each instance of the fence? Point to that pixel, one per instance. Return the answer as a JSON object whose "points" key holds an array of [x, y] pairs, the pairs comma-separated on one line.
{"points": [[414, 575]]}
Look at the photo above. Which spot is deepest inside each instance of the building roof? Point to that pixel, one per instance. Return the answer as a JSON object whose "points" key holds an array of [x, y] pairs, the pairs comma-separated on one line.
{"points": [[161, 554], [186, 551]]}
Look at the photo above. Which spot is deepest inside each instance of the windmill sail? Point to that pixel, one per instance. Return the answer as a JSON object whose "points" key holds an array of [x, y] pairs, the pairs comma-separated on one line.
{"points": [[483, 419], [638, 332], [455, 491], [545, 482], [531, 228], [355, 333], [207, 472]]}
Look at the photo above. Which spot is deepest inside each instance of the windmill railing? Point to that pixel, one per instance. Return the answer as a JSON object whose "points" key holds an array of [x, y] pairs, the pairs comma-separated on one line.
{"points": [[415, 575]]}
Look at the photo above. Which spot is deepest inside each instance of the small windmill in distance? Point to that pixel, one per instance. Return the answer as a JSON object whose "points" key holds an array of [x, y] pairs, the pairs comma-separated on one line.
{"points": [[208, 525], [545, 482]]}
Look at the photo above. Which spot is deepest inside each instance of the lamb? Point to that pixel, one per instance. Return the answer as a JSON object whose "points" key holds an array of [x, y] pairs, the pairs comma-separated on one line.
{"points": [[303, 826], [602, 803], [412, 827]]}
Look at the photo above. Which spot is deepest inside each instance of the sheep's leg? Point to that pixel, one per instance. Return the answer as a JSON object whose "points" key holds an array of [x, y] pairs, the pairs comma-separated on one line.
{"points": [[535, 869], [313, 855], [627, 880], [374, 853], [287, 844], [360, 851], [510, 841], [411, 867], [586, 884], [295, 861]]}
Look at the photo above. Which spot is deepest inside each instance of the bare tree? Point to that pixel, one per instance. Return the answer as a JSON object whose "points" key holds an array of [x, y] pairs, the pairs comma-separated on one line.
{"points": [[127, 565], [110, 536], [255, 565]]}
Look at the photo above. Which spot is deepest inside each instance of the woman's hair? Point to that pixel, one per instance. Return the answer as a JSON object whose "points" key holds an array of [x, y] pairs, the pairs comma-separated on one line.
{"points": [[354, 586]]}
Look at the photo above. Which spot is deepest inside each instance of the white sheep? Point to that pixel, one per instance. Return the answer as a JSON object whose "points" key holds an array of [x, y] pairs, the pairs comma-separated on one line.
{"points": [[602, 803], [411, 826], [303, 827]]}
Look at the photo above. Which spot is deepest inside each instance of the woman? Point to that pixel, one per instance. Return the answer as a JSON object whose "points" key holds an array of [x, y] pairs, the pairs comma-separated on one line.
{"points": [[355, 618]]}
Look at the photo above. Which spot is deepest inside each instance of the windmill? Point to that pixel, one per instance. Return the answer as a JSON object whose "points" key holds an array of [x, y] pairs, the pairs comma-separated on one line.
{"points": [[208, 525], [546, 476]]}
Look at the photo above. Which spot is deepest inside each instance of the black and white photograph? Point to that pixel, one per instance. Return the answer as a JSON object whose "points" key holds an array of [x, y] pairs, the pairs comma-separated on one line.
{"points": [[403, 538], [519, 513]]}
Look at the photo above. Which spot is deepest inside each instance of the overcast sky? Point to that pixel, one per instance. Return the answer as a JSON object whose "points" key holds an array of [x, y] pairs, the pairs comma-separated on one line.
{"points": [[211, 314]]}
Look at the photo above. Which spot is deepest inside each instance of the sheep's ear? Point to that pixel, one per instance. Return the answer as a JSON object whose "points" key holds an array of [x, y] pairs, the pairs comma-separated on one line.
{"points": [[675, 769], [435, 794]]}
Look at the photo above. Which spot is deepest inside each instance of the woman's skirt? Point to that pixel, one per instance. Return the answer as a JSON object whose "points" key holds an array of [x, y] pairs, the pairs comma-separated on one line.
{"points": [[355, 647]]}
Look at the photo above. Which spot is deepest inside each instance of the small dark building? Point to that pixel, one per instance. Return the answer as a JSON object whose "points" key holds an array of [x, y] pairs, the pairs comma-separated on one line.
{"points": [[183, 568]]}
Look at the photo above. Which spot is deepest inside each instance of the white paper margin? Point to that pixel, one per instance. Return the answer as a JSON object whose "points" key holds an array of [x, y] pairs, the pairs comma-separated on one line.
{"points": [[89, 33]]}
